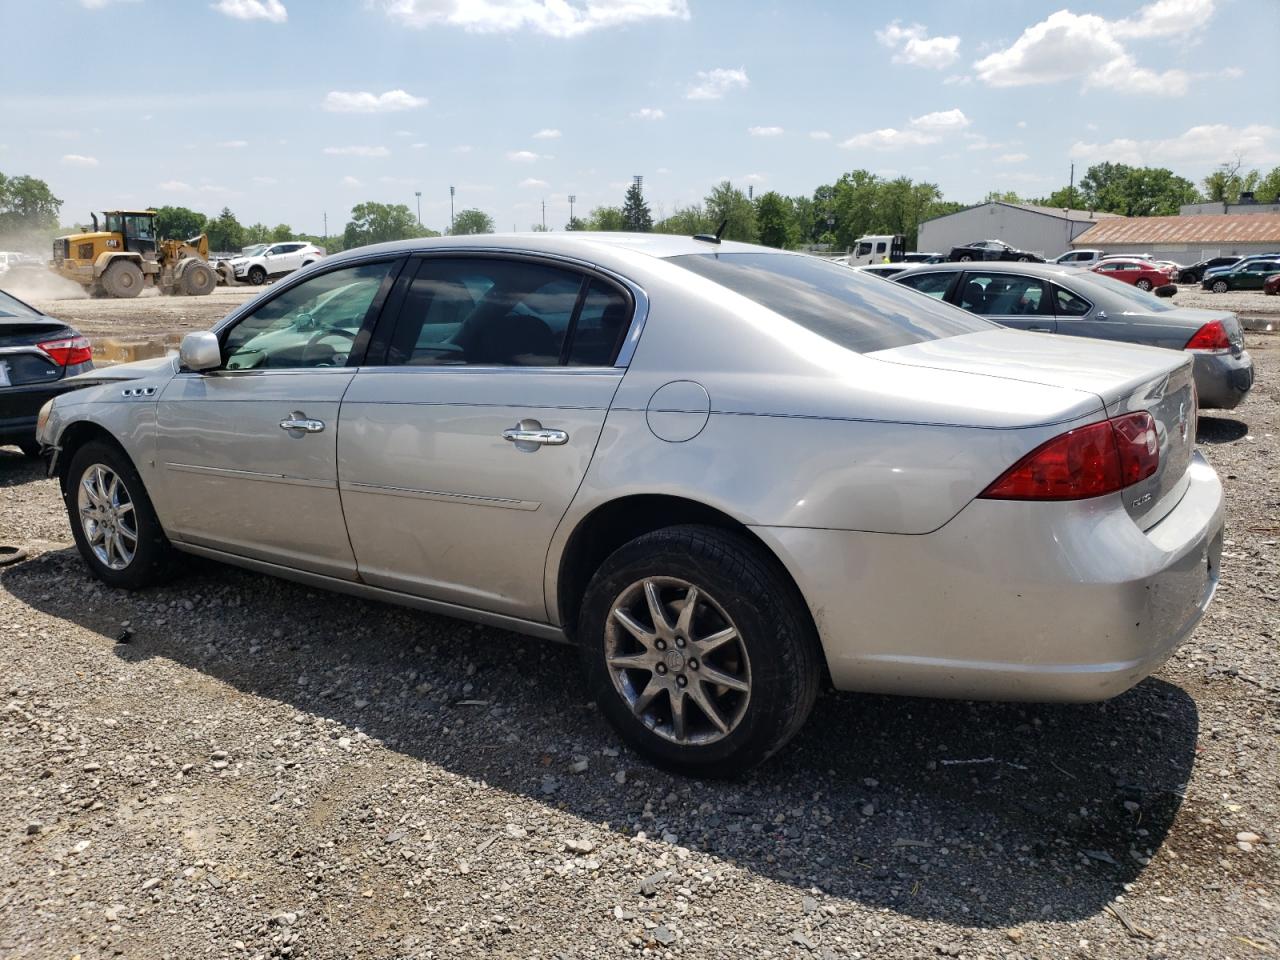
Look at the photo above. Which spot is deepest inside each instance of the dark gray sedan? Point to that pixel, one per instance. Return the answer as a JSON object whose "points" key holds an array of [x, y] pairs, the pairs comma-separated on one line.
{"points": [[1050, 298]]}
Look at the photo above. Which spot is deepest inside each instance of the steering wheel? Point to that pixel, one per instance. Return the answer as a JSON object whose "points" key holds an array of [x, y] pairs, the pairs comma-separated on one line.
{"points": [[320, 335]]}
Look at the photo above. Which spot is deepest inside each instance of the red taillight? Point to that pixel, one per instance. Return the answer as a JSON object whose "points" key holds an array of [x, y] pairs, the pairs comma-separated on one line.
{"points": [[1212, 336], [68, 352], [1085, 462]]}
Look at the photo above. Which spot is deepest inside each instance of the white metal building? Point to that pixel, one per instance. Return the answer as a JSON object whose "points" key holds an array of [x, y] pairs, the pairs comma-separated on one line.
{"points": [[1047, 231], [1186, 239]]}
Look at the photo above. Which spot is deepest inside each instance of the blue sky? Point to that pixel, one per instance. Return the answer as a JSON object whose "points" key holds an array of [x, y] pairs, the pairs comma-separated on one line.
{"points": [[287, 109]]}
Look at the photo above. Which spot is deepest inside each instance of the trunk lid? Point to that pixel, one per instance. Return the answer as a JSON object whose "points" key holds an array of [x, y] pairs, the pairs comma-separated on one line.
{"points": [[21, 365], [1126, 377]]}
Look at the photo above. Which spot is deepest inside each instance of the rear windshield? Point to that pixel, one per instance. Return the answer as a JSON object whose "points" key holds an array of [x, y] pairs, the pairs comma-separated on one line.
{"points": [[860, 313], [13, 307], [1120, 290]]}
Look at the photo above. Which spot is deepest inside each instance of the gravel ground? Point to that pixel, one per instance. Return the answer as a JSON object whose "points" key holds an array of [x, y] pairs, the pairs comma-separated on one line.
{"points": [[236, 766]]}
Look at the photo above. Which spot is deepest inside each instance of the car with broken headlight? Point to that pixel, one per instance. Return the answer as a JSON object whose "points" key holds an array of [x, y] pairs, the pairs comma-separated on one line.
{"points": [[728, 474]]}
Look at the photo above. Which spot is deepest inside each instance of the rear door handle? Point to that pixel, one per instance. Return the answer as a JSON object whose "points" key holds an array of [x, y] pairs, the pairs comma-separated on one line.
{"points": [[300, 422]]}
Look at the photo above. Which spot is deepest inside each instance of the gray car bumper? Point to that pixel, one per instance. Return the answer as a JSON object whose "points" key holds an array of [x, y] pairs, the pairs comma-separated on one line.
{"points": [[1223, 379]]}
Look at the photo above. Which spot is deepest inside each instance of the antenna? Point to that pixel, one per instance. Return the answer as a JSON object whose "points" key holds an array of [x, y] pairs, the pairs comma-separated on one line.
{"points": [[713, 237]]}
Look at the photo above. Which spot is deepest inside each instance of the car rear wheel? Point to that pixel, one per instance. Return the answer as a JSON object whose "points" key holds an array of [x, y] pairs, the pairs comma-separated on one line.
{"points": [[1221, 286], [966, 258], [114, 525], [1143, 284], [1024, 259], [698, 650], [257, 276]]}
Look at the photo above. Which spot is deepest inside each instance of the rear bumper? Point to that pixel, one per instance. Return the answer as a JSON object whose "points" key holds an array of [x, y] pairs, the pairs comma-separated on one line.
{"points": [[1012, 601], [1223, 379]]}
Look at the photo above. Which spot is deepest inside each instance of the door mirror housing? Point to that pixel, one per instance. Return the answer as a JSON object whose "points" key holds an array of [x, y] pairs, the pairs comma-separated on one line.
{"points": [[200, 351]]}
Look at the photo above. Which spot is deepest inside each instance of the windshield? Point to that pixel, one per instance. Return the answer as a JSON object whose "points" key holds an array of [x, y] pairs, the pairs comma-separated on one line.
{"points": [[858, 312], [253, 249]]}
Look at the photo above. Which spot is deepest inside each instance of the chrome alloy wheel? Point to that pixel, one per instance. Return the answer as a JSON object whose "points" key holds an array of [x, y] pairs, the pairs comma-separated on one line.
{"points": [[678, 661], [107, 517]]}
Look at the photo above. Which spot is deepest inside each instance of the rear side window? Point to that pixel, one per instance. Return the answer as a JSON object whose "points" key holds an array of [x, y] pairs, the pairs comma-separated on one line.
{"points": [[859, 313], [1067, 304], [492, 312]]}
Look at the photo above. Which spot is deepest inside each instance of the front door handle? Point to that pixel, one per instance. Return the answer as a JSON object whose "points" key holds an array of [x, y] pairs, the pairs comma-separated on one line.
{"points": [[300, 422], [532, 432]]}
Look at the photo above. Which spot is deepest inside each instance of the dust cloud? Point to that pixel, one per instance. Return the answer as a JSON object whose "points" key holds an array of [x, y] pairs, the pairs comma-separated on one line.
{"points": [[40, 283]]}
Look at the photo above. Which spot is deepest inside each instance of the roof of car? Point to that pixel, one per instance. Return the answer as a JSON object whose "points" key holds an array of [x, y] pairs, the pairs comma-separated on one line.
{"points": [[1003, 266], [567, 243]]}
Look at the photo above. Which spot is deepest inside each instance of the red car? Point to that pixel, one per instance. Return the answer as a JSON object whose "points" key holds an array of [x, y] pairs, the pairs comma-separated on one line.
{"points": [[1141, 273], [1271, 286]]}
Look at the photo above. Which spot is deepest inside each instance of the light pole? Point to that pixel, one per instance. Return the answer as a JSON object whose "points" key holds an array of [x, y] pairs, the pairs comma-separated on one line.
{"points": [[544, 216], [418, 194], [572, 198], [451, 209]]}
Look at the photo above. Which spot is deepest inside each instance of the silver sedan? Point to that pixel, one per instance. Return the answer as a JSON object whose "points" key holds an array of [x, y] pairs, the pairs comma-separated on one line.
{"points": [[725, 473], [1056, 298]]}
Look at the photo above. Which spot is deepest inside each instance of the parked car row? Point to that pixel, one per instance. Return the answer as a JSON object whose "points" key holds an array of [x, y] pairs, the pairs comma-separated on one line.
{"points": [[1249, 273], [517, 430]]}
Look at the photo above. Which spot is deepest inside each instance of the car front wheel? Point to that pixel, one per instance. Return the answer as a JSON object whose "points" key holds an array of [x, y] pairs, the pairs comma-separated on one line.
{"points": [[257, 276], [114, 525], [1221, 286], [698, 650]]}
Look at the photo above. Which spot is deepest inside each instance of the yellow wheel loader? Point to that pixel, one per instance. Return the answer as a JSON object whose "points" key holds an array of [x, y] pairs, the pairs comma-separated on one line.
{"points": [[125, 257]]}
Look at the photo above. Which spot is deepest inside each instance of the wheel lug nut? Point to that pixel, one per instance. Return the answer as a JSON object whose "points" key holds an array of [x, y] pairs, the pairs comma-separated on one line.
{"points": [[682, 681], [679, 641], [693, 664], [661, 644], [661, 668]]}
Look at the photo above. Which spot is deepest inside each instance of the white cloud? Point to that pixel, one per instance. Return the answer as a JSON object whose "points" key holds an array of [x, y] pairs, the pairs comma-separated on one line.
{"points": [[99, 4], [943, 121], [1207, 143], [1165, 18], [533, 182], [754, 178], [175, 186], [357, 151], [522, 156], [1068, 46], [1021, 124], [462, 148], [362, 101], [556, 18], [78, 160], [819, 135], [233, 144], [404, 133], [546, 133], [648, 113], [914, 46], [1012, 158], [351, 182], [714, 84], [889, 138], [765, 131], [272, 11], [265, 181], [958, 80], [418, 146]]}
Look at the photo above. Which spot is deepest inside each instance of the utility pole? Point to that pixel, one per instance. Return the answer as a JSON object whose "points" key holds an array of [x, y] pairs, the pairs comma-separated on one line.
{"points": [[451, 209], [544, 216], [418, 194], [751, 191], [325, 214], [572, 198]]}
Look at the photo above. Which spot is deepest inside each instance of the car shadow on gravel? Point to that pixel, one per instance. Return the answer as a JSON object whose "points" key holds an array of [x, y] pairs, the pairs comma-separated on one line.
{"points": [[16, 468], [982, 815], [1214, 430]]}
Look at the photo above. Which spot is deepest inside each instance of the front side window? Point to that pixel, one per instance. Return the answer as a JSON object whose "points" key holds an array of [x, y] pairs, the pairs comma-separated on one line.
{"points": [[864, 248], [139, 228], [486, 311], [932, 284], [1003, 295], [859, 313], [312, 324]]}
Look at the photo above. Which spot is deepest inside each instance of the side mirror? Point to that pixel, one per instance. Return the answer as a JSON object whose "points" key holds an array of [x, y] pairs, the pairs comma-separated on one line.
{"points": [[200, 351]]}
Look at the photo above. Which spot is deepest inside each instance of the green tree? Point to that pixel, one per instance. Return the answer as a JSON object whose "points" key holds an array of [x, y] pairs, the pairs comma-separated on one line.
{"points": [[27, 203], [1002, 196], [1230, 180], [472, 221], [729, 205], [686, 222], [635, 212], [775, 220], [281, 232], [576, 223], [606, 218], [373, 222], [1268, 188], [258, 233], [329, 245], [178, 223], [854, 200], [226, 234]]}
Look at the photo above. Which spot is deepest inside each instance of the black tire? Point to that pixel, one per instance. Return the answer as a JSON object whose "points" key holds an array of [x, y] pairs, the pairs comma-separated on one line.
{"points": [[1024, 259], [257, 276], [198, 280], [1143, 284], [154, 560], [965, 258], [123, 280], [782, 654], [29, 448]]}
